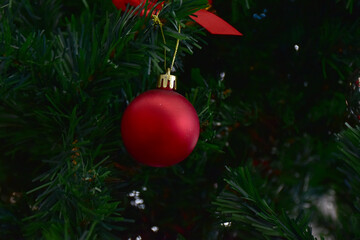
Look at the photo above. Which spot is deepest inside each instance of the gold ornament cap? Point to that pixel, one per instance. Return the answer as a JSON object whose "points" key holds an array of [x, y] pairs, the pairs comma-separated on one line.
{"points": [[167, 80]]}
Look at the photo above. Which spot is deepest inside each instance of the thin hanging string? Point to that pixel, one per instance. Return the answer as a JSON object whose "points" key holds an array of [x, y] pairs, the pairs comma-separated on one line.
{"points": [[157, 21], [176, 49]]}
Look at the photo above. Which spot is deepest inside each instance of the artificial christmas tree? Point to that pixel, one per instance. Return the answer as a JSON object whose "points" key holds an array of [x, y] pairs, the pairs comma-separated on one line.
{"points": [[274, 158]]}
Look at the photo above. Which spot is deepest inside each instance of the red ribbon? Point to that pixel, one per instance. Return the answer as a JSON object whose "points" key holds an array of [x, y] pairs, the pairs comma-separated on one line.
{"points": [[208, 20], [214, 24]]}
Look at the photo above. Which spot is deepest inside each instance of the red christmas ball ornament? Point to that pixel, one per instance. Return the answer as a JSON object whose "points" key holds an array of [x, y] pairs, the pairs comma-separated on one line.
{"points": [[160, 127]]}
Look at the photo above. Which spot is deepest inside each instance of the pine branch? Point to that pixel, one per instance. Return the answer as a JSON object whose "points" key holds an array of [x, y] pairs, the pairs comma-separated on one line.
{"points": [[63, 90], [243, 204], [349, 153]]}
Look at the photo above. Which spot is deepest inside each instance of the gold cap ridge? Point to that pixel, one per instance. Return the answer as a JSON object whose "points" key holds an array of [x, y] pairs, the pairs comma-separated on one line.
{"points": [[167, 80]]}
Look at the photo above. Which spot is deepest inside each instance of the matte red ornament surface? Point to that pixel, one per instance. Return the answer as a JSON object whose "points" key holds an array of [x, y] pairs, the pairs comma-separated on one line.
{"points": [[160, 128]]}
